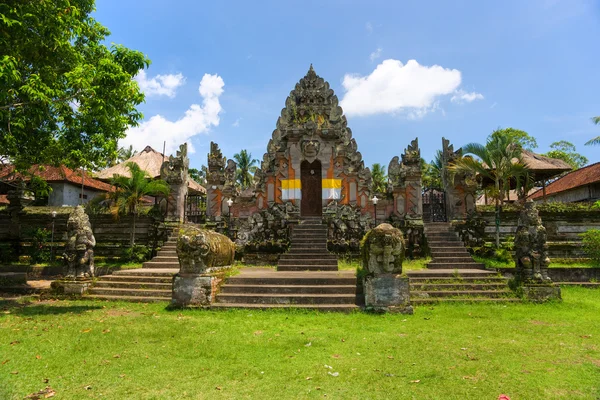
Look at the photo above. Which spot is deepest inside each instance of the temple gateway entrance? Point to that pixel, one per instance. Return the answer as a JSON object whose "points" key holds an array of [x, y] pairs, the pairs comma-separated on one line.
{"points": [[311, 186]]}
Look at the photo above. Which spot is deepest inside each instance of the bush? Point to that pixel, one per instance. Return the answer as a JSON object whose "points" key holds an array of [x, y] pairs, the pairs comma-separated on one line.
{"points": [[591, 244], [40, 251], [137, 254]]}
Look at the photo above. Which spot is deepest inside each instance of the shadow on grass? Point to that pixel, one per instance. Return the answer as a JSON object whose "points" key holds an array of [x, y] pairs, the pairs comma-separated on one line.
{"points": [[28, 308]]}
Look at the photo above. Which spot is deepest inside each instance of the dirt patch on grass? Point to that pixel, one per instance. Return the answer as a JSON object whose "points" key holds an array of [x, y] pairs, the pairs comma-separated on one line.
{"points": [[121, 313]]}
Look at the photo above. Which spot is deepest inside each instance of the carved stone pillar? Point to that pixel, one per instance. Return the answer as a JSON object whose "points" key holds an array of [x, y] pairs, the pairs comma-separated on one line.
{"points": [[175, 172]]}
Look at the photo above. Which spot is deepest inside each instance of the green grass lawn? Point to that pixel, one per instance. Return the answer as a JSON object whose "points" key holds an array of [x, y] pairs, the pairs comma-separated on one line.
{"points": [[85, 349]]}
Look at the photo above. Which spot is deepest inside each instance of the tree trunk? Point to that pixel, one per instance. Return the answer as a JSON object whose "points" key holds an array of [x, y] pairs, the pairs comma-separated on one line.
{"points": [[498, 216], [133, 230]]}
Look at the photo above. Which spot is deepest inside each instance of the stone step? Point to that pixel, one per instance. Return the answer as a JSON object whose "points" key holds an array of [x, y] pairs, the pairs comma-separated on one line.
{"points": [[450, 253], [451, 273], [309, 256], [416, 302], [320, 307], [460, 293], [165, 272], [448, 248], [255, 298], [137, 299], [137, 279], [161, 258], [451, 260], [289, 289], [462, 265], [133, 285], [427, 287], [311, 261], [292, 279], [160, 264], [308, 239], [167, 253], [446, 243], [131, 292], [306, 249], [460, 280], [441, 234], [310, 229], [302, 267]]}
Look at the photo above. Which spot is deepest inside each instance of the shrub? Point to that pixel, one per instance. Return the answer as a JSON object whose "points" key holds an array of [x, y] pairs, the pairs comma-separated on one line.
{"points": [[40, 251], [591, 244], [137, 254]]}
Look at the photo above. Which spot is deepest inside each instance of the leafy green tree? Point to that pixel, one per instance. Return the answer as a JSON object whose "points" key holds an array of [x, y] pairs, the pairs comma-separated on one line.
{"points": [[378, 179], [130, 191], [595, 140], [199, 175], [246, 166], [65, 97], [500, 161], [566, 151], [432, 172], [526, 141]]}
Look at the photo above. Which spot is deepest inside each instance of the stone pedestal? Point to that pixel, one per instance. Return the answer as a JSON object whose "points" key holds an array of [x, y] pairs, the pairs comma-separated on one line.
{"points": [[541, 293], [387, 293], [194, 290], [71, 287]]}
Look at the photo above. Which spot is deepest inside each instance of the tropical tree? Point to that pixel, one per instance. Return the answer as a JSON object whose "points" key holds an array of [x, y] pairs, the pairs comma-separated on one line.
{"points": [[198, 175], [595, 140], [130, 191], [432, 171], [246, 166], [378, 179], [500, 162], [522, 138], [65, 97], [566, 151]]}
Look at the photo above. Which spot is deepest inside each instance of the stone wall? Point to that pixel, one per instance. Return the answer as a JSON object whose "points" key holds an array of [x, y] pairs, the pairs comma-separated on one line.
{"points": [[111, 235], [563, 229], [563, 274]]}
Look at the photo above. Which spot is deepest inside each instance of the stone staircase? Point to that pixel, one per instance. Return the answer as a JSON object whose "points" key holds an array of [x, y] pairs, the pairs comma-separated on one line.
{"points": [[453, 275], [151, 283], [264, 288], [308, 248], [447, 250]]}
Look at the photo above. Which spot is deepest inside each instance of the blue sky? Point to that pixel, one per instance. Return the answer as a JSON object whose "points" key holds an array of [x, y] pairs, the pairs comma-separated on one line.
{"points": [[221, 70]]}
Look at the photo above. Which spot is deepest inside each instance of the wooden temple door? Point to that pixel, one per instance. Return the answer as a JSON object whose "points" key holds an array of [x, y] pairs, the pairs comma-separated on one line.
{"points": [[310, 178]]}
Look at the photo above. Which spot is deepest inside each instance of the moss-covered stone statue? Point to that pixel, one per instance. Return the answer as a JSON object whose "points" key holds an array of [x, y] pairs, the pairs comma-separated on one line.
{"points": [[383, 250], [384, 287], [531, 250], [531, 254], [79, 250], [203, 255]]}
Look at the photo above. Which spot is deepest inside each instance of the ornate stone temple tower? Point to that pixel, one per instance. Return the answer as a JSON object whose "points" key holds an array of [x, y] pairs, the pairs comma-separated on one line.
{"points": [[312, 168]]}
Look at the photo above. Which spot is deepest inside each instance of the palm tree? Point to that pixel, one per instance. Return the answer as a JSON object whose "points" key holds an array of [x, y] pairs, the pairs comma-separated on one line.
{"points": [[129, 192], [246, 166], [125, 153], [378, 179], [595, 140], [499, 161]]}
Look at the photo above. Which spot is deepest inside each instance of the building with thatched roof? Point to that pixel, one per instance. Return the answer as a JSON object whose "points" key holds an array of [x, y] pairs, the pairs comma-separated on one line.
{"points": [[542, 167], [150, 161]]}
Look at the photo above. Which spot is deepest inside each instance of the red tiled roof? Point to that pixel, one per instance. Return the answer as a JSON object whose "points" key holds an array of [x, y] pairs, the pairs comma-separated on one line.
{"points": [[4, 199], [579, 177], [61, 173]]}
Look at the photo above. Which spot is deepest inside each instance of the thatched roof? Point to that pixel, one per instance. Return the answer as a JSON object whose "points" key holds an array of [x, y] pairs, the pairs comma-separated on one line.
{"points": [[148, 160], [544, 167]]}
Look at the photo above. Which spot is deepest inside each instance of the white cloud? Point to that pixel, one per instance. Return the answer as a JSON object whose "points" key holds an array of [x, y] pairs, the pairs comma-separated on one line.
{"points": [[396, 88], [197, 120], [376, 54], [160, 85], [236, 124], [369, 27], [460, 96]]}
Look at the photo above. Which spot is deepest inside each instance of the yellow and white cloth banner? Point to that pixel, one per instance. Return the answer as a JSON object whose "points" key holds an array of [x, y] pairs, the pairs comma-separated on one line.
{"points": [[332, 188], [290, 189]]}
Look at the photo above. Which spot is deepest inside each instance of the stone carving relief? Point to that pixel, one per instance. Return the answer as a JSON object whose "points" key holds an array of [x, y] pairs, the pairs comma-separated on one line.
{"points": [[383, 250]]}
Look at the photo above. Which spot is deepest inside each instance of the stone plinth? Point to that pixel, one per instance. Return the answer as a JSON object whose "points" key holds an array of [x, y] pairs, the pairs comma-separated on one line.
{"points": [[387, 293], [194, 290], [541, 293], [72, 287]]}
